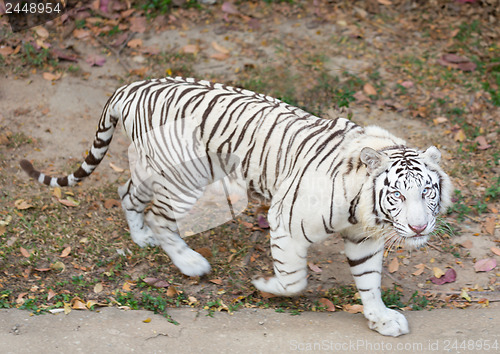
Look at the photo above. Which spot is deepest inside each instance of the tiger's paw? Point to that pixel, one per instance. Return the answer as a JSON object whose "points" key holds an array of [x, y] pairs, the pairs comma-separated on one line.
{"points": [[191, 263], [390, 323], [274, 286], [144, 237]]}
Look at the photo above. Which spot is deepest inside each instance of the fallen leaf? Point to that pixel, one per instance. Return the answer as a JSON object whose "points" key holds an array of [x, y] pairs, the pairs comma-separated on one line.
{"points": [[95, 60], [41, 32], [20, 299], [91, 303], [57, 193], [495, 250], [267, 295], [98, 288], [204, 251], [460, 136], [42, 269], [393, 266], [324, 302], [369, 90], [63, 55], [81, 33], [21, 204], [216, 281], [407, 84], [449, 277], [67, 308], [172, 291], [489, 225], [110, 203], [438, 273], [229, 8], [467, 244], [192, 300], [24, 252], [58, 266], [116, 168], [481, 143], [485, 265], [51, 293], [440, 120], [127, 286], [78, 304], [353, 308], [220, 48], [147, 320], [190, 49], [65, 253], [138, 24], [465, 295], [51, 77], [219, 56], [69, 202], [6, 50], [262, 221], [314, 267], [385, 2], [135, 43], [420, 269]]}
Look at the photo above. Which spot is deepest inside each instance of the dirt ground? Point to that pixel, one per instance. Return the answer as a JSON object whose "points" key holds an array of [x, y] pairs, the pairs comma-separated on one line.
{"points": [[57, 120]]}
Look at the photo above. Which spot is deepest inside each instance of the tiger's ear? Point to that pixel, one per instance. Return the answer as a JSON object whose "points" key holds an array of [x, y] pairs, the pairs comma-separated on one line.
{"points": [[372, 159], [433, 154]]}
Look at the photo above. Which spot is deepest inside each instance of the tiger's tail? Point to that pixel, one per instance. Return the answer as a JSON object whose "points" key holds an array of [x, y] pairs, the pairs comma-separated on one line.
{"points": [[103, 137]]}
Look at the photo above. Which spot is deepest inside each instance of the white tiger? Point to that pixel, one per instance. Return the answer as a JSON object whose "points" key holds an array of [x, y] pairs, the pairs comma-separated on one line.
{"points": [[321, 177]]}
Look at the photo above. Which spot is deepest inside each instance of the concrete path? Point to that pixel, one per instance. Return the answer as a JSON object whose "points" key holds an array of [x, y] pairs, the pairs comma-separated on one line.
{"points": [[111, 330]]}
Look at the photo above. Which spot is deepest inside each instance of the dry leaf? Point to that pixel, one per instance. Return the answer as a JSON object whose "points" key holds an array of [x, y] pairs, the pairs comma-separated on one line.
{"points": [[51, 293], [219, 56], [109, 203], [314, 267], [485, 265], [394, 265], [57, 193], [190, 49], [138, 24], [460, 136], [41, 32], [58, 266], [135, 43], [324, 302], [449, 277], [204, 251], [440, 120], [81, 33], [24, 252], [220, 48], [78, 304], [266, 295], [420, 269], [229, 8], [172, 291], [147, 320], [353, 308], [482, 143], [98, 288], [495, 250], [467, 244], [65, 253], [116, 168], [21, 204], [51, 77], [6, 50], [369, 90], [489, 225], [385, 2], [67, 308], [438, 273], [69, 202], [216, 281]]}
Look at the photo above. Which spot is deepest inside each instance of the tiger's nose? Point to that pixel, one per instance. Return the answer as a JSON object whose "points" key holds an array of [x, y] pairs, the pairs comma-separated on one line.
{"points": [[417, 228]]}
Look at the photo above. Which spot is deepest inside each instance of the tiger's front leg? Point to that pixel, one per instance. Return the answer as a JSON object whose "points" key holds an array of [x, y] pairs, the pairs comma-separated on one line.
{"points": [[365, 261]]}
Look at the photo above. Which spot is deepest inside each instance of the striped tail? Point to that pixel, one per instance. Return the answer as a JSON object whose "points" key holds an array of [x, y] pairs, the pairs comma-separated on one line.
{"points": [[103, 136]]}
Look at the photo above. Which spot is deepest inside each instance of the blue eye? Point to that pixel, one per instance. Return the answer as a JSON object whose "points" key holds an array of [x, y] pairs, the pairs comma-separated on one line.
{"points": [[425, 191], [397, 194]]}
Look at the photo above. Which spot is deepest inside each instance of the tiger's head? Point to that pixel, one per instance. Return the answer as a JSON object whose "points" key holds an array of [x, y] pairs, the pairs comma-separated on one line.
{"points": [[409, 190]]}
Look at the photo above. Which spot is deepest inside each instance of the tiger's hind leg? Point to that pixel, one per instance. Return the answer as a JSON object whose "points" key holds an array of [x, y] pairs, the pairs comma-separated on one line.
{"points": [[134, 201], [162, 220], [365, 261]]}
